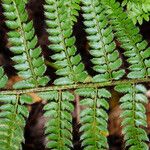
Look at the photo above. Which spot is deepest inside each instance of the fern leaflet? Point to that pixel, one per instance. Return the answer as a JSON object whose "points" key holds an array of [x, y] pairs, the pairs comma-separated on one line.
{"points": [[72, 6], [94, 118], [134, 117], [137, 10], [12, 120], [22, 37], [136, 49], [105, 58], [59, 125], [3, 78], [60, 34]]}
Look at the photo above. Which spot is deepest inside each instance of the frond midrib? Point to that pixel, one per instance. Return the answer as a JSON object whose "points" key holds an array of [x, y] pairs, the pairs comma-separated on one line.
{"points": [[63, 40], [26, 45], [101, 38], [75, 86]]}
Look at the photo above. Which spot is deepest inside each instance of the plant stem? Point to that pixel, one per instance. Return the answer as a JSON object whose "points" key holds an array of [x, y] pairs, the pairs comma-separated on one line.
{"points": [[74, 86]]}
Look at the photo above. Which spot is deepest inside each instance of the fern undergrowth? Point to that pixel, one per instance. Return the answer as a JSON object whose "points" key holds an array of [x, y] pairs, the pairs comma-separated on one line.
{"points": [[105, 22]]}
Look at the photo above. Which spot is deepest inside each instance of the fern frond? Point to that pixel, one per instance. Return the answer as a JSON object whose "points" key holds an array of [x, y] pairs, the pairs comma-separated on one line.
{"points": [[59, 25], [133, 115], [59, 119], [3, 78], [23, 41], [137, 10], [136, 49], [12, 120], [94, 118], [125, 2], [102, 47], [72, 6]]}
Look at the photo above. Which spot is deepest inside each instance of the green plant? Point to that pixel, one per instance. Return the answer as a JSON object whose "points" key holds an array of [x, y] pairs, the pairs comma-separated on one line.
{"points": [[104, 22], [137, 10]]}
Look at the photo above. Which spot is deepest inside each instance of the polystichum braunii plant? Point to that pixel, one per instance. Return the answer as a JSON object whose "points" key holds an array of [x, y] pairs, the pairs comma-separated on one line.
{"points": [[105, 23], [137, 10]]}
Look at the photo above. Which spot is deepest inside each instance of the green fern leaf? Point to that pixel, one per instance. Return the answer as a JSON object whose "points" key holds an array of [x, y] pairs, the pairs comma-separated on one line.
{"points": [[133, 115], [59, 120], [105, 22], [29, 62], [137, 10], [94, 118], [3, 78], [60, 26], [106, 58], [72, 6], [12, 121], [136, 49]]}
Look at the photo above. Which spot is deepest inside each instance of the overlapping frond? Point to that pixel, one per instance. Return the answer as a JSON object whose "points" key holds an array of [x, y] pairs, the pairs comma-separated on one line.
{"points": [[71, 69], [106, 58], [59, 119], [12, 120], [3, 78], [136, 49], [133, 115], [23, 43]]}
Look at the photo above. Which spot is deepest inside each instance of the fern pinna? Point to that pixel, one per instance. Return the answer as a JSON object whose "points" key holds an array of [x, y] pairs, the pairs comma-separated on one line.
{"points": [[105, 22], [94, 118], [29, 63], [132, 104], [138, 10]]}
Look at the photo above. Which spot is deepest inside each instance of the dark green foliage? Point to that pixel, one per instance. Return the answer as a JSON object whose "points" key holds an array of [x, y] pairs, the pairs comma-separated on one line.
{"points": [[102, 47], [132, 104], [3, 78], [94, 118], [59, 25], [12, 120], [105, 23], [59, 120], [29, 63], [136, 49]]}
